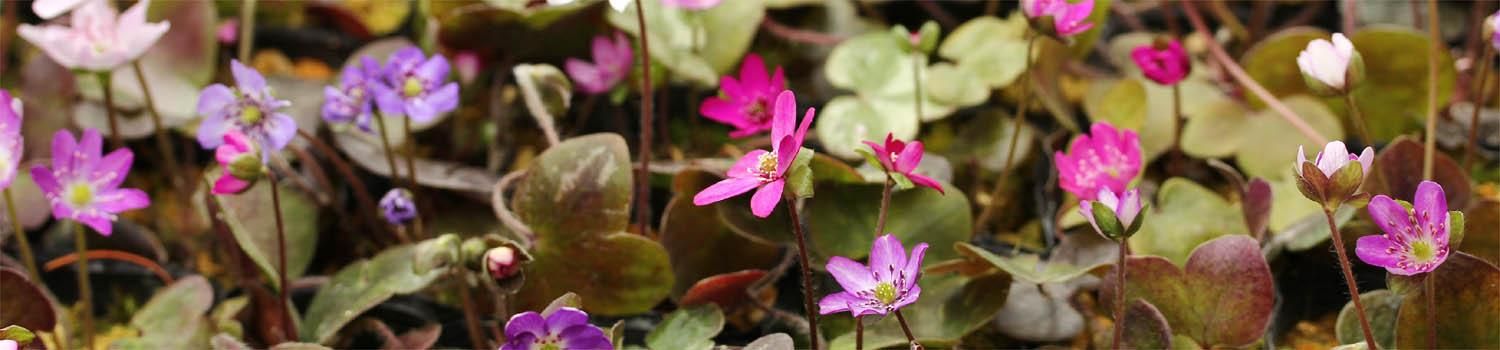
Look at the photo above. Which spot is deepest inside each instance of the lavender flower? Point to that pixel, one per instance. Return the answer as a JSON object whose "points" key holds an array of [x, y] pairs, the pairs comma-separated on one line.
{"points": [[397, 206], [1415, 239], [352, 100], [84, 187], [248, 108], [566, 328], [11, 146], [416, 86], [889, 283]]}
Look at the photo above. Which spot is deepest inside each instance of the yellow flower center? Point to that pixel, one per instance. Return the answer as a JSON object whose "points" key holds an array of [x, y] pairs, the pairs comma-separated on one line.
{"points": [[550, 346], [250, 115], [885, 292], [1423, 251], [412, 87], [767, 165], [80, 195]]}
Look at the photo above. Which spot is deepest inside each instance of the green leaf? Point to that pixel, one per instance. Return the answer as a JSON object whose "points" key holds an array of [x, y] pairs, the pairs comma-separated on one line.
{"points": [[568, 299], [1223, 297], [841, 220], [950, 307], [993, 49], [690, 328], [697, 241], [1266, 128], [1380, 309], [19, 334], [988, 138], [799, 179], [953, 85], [362, 285], [871, 64], [1146, 327], [1122, 103], [1028, 267], [173, 319], [1467, 314], [249, 216], [847, 120], [697, 46], [1186, 215]]}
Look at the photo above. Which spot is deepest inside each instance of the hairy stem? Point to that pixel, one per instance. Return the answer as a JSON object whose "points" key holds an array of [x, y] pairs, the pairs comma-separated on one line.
{"points": [[109, 109], [362, 197], [643, 174], [982, 222], [1120, 294], [1480, 78], [1358, 119], [1432, 91], [411, 177], [169, 154], [287, 324], [859, 333], [1176, 115], [1431, 282], [1359, 307], [907, 329], [807, 281], [24, 242], [85, 292], [247, 29], [885, 204]]}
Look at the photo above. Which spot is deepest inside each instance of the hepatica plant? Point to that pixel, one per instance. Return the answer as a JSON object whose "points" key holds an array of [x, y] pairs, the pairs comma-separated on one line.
{"points": [[702, 174]]}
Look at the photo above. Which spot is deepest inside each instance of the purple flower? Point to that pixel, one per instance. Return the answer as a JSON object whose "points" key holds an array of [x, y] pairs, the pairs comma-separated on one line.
{"points": [[248, 108], [902, 158], [1119, 219], [1492, 29], [889, 283], [397, 206], [10, 138], [416, 86], [612, 62], [1164, 62], [764, 170], [1107, 158], [85, 187], [745, 103], [1415, 240], [565, 329], [240, 162], [352, 101]]}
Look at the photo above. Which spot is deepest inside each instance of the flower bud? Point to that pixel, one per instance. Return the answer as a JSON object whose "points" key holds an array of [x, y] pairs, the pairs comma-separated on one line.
{"points": [[923, 41], [1115, 217], [1331, 67], [1334, 176], [501, 262]]}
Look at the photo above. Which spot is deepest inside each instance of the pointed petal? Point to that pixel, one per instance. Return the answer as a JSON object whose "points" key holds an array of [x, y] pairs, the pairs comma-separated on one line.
{"points": [[113, 168], [784, 117], [765, 199], [753, 72], [247, 78], [566, 317], [722, 111], [45, 180], [837, 302], [528, 322], [1391, 217], [724, 189], [786, 152], [121, 200], [227, 184], [909, 157], [925, 182], [887, 258], [850, 275], [63, 146], [49, 9], [913, 269], [1379, 251], [1430, 208]]}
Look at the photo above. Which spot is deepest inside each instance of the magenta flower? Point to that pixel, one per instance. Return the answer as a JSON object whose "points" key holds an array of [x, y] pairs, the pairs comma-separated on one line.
{"points": [[1334, 157], [1492, 28], [1121, 214], [397, 207], [1164, 62], [612, 62], [416, 86], [764, 170], [745, 102], [11, 147], [84, 187], [353, 100], [241, 164], [902, 158], [248, 108], [1415, 240], [887, 284], [692, 4], [1106, 158], [1067, 19], [99, 38], [565, 329]]}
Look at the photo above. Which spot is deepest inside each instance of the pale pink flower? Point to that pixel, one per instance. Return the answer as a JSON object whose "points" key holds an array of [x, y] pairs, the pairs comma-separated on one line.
{"points": [[99, 39], [612, 62]]}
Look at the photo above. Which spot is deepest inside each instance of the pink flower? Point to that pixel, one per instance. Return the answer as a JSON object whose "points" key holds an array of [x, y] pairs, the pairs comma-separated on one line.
{"points": [[228, 32], [887, 284], [84, 187], [1415, 240], [1164, 62], [1123, 211], [612, 63], [1067, 19], [1331, 67], [1334, 157], [240, 161], [692, 4], [99, 39], [1108, 158], [764, 170], [902, 158], [49, 9], [745, 102], [11, 147]]}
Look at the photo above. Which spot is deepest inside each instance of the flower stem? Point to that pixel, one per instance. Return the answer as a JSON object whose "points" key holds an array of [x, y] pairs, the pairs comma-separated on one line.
{"points": [[169, 154], [109, 109], [85, 292], [1176, 115], [411, 176], [982, 222], [1479, 94], [247, 29], [361, 193], [916, 81], [471, 319], [424, 28], [390, 154], [907, 329], [1358, 119], [885, 204], [859, 333], [1359, 307], [1431, 296], [25, 243], [1120, 292], [807, 282], [287, 325], [1432, 92], [643, 174]]}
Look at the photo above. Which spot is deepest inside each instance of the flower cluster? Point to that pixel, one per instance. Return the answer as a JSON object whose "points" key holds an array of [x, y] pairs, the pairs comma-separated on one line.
{"points": [[11, 147], [565, 328], [1163, 61], [1106, 158], [248, 108], [745, 103], [99, 38], [410, 84], [1416, 234], [888, 283], [764, 170], [85, 187], [612, 62], [901, 158]]}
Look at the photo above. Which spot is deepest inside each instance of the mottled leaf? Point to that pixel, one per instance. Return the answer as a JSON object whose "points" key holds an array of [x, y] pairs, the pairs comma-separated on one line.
{"points": [[250, 217], [1380, 310], [1467, 312], [950, 307], [1223, 297], [691, 328], [362, 285], [1186, 214]]}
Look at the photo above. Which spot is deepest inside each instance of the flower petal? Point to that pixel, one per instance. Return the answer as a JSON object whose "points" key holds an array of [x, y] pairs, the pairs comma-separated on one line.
{"points": [[785, 116], [852, 276], [228, 184], [925, 182], [746, 166], [910, 157], [565, 317], [913, 269], [528, 322], [584, 337], [887, 258], [725, 189], [753, 72], [765, 199], [1391, 217], [837, 302], [1379, 251], [112, 168], [1430, 209]]}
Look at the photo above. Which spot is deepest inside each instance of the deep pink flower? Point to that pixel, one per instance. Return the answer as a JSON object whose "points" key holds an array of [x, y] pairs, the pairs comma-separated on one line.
{"points": [[1164, 62], [692, 4], [1415, 240], [612, 62], [902, 158], [11, 147], [1124, 207], [887, 284], [1107, 158], [1067, 19], [745, 102], [99, 39], [84, 187], [764, 170], [240, 161]]}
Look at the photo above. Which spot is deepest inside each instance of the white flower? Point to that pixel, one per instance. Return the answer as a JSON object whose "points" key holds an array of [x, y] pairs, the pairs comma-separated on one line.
{"points": [[619, 5], [1334, 157], [1327, 62]]}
